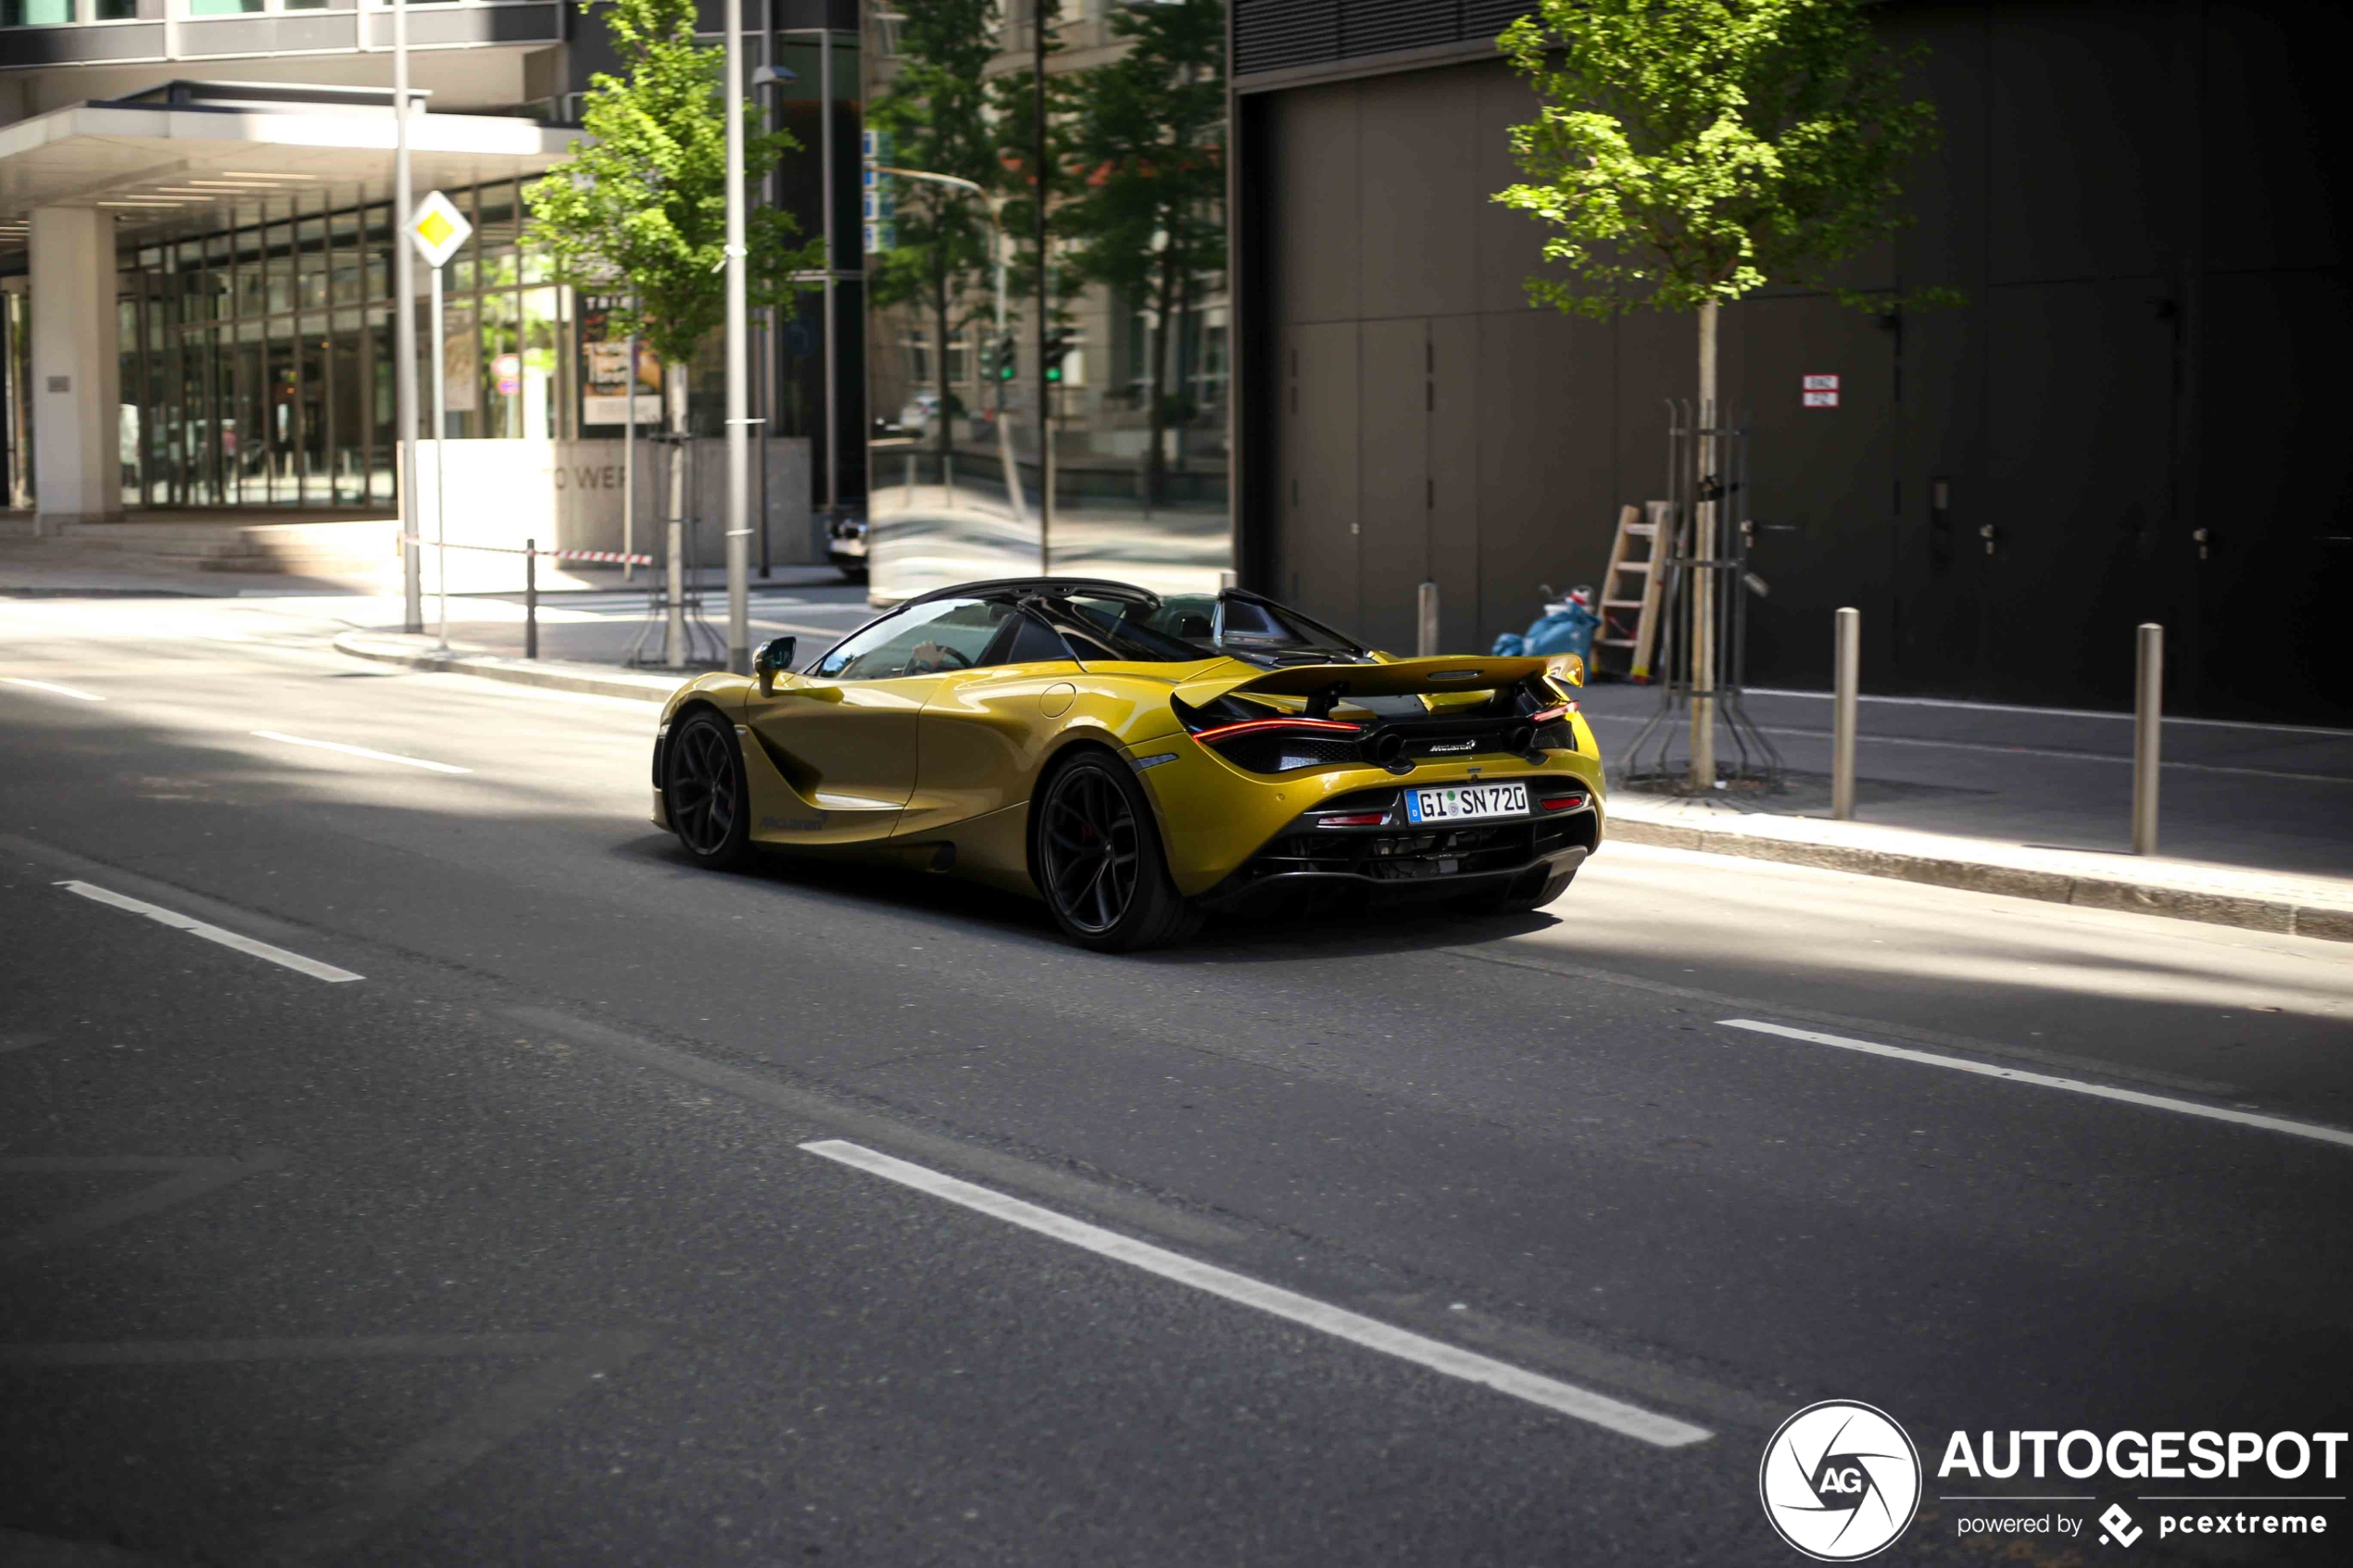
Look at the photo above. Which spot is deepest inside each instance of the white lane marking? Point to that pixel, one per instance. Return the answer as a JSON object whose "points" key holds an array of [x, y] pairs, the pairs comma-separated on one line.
{"points": [[1584, 1404], [179, 921], [2313, 1130], [52, 687], [361, 751]]}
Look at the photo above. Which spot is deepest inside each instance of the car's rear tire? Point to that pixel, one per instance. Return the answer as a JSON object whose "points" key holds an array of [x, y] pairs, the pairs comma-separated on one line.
{"points": [[1522, 896], [1095, 854], [704, 791]]}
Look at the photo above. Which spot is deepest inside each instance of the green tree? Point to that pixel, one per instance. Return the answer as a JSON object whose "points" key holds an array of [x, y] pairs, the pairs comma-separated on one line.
{"points": [[1689, 152], [1012, 112], [1147, 140], [936, 112], [643, 207]]}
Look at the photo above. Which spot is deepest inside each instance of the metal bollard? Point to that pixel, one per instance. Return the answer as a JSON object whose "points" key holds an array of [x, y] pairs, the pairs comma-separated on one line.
{"points": [[1426, 622], [1846, 661], [531, 599], [2148, 724]]}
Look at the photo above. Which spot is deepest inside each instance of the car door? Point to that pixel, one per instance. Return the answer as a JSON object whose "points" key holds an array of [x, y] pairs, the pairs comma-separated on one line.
{"points": [[843, 731], [985, 730]]}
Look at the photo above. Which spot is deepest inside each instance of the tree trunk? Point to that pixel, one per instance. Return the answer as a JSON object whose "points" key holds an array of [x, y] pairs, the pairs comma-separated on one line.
{"points": [[1184, 383], [1165, 303], [946, 432], [1703, 776], [674, 636]]}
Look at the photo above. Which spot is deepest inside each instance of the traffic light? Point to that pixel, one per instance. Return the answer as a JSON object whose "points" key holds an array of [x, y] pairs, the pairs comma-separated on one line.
{"points": [[1059, 343], [1002, 358]]}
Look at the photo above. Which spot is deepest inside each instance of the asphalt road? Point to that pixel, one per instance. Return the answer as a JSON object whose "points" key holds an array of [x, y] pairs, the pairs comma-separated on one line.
{"points": [[511, 1250]]}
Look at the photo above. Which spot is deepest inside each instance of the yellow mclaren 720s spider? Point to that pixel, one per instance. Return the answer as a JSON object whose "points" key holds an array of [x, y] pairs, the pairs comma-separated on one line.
{"points": [[1138, 760]]}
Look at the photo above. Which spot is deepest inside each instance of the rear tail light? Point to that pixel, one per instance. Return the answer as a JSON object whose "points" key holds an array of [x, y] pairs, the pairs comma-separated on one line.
{"points": [[1283, 745], [1256, 726], [1567, 800], [1353, 819]]}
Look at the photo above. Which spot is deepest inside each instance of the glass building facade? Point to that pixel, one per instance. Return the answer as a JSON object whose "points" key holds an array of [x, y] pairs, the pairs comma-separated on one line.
{"points": [[1136, 284], [257, 360]]}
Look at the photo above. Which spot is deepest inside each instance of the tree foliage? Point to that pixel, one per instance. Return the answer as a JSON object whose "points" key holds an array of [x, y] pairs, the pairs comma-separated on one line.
{"points": [[1013, 109], [1147, 146], [935, 111], [643, 208], [1148, 143], [1695, 150]]}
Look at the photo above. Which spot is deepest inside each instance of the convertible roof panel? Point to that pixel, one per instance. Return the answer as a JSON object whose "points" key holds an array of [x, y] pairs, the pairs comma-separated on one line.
{"points": [[1053, 588]]}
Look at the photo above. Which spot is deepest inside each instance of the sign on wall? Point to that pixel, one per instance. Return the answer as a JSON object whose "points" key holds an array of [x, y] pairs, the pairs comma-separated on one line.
{"points": [[1819, 392], [604, 369]]}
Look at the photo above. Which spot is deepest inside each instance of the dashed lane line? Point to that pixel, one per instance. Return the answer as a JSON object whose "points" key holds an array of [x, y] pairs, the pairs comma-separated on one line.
{"points": [[2311, 1130], [1582, 1404], [179, 921], [53, 688], [362, 751]]}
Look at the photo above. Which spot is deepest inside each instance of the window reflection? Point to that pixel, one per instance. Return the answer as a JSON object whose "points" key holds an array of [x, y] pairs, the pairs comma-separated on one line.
{"points": [[1136, 285], [256, 360]]}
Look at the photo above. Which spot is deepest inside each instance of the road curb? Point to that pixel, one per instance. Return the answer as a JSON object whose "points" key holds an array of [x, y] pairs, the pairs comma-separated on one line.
{"points": [[550, 674], [2251, 912]]}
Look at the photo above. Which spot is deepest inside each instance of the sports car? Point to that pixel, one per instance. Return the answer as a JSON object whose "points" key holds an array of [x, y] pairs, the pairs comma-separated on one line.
{"points": [[1138, 760]]}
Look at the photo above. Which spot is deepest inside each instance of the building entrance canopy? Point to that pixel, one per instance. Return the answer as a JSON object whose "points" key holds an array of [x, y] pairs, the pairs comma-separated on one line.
{"points": [[210, 305], [186, 163]]}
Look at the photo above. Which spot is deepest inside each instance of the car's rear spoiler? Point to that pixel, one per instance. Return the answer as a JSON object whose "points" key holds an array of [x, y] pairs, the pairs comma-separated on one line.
{"points": [[1404, 677]]}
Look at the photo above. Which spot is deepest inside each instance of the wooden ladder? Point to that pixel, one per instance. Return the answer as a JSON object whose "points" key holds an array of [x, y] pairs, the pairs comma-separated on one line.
{"points": [[1637, 632]]}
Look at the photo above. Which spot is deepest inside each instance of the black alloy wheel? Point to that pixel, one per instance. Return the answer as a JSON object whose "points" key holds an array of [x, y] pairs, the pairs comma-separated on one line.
{"points": [[705, 791], [1098, 859]]}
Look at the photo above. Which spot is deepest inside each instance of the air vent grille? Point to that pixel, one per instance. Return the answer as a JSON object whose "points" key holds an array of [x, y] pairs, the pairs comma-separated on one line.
{"points": [[1282, 34]]}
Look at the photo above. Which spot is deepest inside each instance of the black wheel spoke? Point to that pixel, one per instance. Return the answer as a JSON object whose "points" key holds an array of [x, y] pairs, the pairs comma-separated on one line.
{"points": [[703, 789], [1089, 844]]}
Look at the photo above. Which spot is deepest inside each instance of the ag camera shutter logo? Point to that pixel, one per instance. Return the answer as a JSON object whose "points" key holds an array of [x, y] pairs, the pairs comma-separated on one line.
{"points": [[1840, 1481]]}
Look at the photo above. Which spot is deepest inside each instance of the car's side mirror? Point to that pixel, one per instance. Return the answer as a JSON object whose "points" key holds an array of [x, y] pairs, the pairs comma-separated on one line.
{"points": [[1566, 667], [775, 656]]}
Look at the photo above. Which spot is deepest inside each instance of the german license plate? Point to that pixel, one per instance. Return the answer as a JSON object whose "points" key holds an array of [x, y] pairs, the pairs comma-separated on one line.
{"points": [[1462, 803]]}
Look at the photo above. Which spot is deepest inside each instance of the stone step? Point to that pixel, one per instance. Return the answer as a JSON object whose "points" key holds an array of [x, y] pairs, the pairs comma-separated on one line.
{"points": [[327, 548]]}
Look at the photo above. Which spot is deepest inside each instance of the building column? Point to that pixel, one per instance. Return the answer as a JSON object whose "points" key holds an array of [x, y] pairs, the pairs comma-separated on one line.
{"points": [[77, 372]]}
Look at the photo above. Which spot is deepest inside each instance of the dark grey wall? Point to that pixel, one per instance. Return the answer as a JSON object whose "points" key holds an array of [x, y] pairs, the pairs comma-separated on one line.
{"points": [[2140, 205]]}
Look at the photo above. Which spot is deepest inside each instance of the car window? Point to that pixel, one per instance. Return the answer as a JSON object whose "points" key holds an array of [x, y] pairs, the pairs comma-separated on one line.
{"points": [[923, 639], [1031, 642], [1195, 620], [1116, 631]]}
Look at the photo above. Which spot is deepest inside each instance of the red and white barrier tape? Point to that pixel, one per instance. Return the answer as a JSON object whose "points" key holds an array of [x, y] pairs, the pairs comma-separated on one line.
{"points": [[619, 558]]}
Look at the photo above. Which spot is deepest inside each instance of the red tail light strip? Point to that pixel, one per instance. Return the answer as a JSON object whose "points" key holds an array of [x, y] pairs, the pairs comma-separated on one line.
{"points": [[1561, 802], [1354, 820], [1249, 725]]}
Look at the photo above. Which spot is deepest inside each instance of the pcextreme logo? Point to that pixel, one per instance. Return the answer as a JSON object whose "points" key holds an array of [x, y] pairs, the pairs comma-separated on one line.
{"points": [[1840, 1481]]}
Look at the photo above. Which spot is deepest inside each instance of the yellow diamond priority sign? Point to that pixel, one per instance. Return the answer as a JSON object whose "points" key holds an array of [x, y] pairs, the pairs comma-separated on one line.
{"points": [[438, 229]]}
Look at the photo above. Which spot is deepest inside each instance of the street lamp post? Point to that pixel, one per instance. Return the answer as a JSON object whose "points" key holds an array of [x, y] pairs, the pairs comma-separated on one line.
{"points": [[1045, 386], [412, 605], [997, 249], [738, 528]]}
